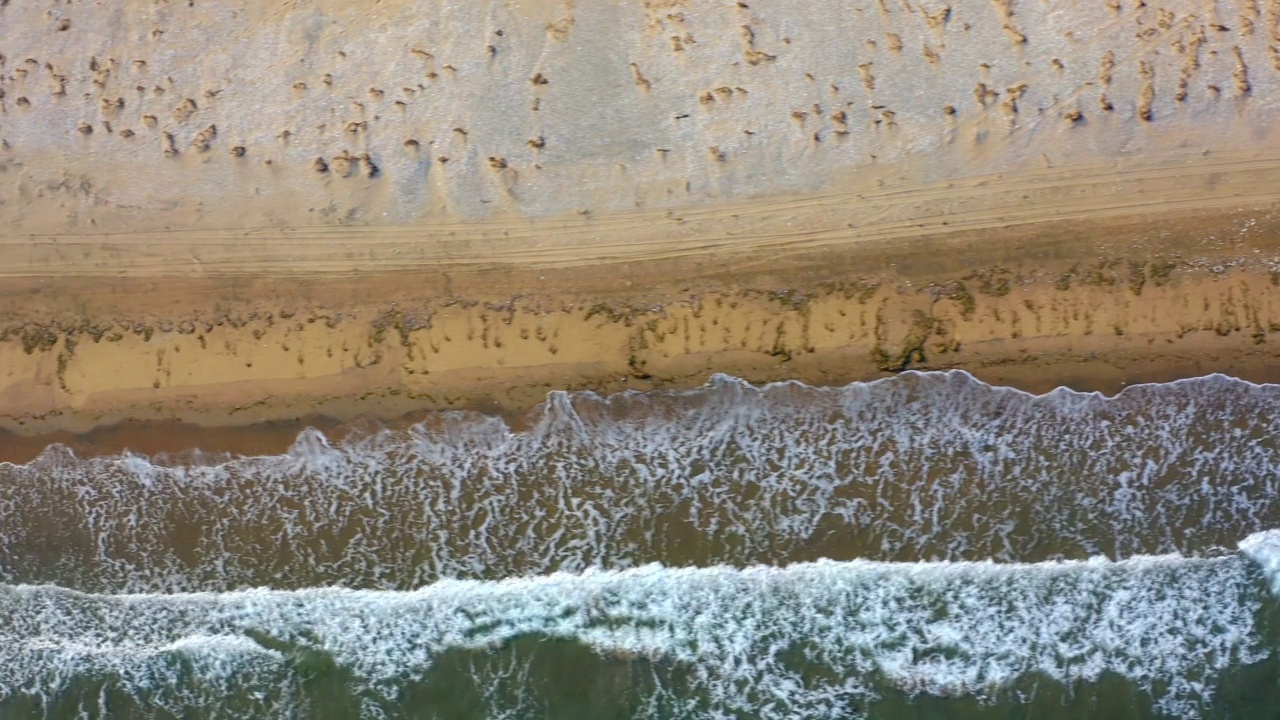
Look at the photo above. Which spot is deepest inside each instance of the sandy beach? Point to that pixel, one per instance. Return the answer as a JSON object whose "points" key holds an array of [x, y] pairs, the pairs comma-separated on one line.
{"points": [[379, 212], [639, 359], [1093, 305]]}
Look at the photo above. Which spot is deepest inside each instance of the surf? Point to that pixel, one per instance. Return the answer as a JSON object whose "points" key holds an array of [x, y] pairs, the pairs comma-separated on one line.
{"points": [[818, 639], [922, 466]]}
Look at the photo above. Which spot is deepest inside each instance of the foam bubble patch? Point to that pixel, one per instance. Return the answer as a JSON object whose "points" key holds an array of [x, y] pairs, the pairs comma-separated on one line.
{"points": [[809, 640], [921, 466]]}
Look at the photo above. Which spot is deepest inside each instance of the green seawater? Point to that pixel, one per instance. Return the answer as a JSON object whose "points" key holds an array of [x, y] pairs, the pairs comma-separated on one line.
{"points": [[562, 680]]}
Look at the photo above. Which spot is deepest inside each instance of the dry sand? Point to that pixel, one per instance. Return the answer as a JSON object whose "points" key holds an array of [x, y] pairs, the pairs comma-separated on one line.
{"points": [[225, 214]]}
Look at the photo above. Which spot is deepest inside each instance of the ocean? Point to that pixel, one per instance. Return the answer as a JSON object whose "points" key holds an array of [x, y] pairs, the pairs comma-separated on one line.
{"points": [[924, 546]]}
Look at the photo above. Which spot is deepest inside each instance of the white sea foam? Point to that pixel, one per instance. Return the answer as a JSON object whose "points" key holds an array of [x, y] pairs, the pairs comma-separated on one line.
{"points": [[1264, 549], [749, 640], [920, 466]]}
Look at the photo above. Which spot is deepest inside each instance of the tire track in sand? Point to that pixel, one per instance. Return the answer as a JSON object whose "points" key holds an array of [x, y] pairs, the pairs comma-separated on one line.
{"points": [[779, 224]]}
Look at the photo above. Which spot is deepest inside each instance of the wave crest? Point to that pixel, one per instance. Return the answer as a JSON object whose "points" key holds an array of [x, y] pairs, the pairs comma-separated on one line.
{"points": [[809, 640]]}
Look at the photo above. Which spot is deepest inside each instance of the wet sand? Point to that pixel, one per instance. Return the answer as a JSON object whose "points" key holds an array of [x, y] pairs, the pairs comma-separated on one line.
{"points": [[308, 227], [1092, 306]]}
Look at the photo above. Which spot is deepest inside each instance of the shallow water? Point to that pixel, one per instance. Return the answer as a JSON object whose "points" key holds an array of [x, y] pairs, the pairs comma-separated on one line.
{"points": [[923, 546]]}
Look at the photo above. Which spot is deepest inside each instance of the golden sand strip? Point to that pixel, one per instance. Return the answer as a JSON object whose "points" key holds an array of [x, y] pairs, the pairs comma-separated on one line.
{"points": [[1095, 277]]}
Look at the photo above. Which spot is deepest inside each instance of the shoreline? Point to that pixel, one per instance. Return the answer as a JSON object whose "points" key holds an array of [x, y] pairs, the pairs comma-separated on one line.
{"points": [[1097, 303], [152, 438], [309, 227]]}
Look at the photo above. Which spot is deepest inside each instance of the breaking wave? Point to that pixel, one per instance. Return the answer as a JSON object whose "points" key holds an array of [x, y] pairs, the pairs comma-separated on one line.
{"points": [[824, 639], [922, 466]]}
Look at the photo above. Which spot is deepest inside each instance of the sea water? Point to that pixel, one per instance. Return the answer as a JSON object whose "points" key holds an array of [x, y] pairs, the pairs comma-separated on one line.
{"points": [[917, 547]]}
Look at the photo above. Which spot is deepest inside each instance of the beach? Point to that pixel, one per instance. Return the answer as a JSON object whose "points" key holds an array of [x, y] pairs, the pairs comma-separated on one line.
{"points": [[181, 245], [883, 359], [1094, 304]]}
